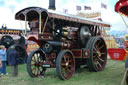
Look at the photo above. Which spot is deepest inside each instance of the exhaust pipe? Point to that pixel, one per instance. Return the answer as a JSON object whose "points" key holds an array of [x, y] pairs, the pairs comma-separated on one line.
{"points": [[52, 5]]}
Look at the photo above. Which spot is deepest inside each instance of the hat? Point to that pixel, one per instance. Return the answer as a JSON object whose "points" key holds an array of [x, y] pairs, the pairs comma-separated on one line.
{"points": [[2, 46]]}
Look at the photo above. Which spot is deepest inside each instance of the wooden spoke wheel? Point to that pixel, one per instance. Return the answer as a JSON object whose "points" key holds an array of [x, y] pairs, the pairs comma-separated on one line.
{"points": [[65, 64], [35, 62], [98, 54]]}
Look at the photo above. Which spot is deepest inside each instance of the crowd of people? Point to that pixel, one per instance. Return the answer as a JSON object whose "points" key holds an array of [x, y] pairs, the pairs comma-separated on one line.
{"points": [[12, 55], [12, 58]]}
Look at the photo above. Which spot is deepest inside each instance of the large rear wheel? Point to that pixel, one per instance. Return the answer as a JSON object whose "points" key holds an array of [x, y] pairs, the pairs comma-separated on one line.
{"points": [[98, 53], [35, 63], [65, 64]]}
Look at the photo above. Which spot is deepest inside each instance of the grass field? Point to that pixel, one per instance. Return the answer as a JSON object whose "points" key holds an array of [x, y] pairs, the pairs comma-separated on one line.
{"points": [[112, 75]]}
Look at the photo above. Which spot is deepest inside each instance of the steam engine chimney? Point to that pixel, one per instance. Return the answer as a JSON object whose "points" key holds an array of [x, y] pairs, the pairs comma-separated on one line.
{"points": [[52, 5]]}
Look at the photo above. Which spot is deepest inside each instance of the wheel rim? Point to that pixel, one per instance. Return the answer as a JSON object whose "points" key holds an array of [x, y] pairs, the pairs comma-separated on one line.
{"points": [[35, 65], [66, 65], [99, 53]]}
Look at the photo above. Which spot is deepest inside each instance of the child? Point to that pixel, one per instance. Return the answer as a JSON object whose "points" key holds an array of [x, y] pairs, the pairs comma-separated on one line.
{"points": [[3, 59]]}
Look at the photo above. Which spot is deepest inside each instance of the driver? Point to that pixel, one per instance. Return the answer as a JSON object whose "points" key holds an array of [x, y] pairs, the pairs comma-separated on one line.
{"points": [[34, 25]]}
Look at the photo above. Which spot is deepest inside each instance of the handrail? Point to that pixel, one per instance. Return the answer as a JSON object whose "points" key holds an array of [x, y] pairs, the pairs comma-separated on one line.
{"points": [[45, 24], [25, 24], [124, 21]]}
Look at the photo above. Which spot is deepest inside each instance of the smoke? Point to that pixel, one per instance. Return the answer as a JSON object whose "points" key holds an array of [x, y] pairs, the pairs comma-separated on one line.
{"points": [[2, 3]]}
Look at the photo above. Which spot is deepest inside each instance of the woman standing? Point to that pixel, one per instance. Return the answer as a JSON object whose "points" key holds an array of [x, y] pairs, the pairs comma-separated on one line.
{"points": [[3, 59]]}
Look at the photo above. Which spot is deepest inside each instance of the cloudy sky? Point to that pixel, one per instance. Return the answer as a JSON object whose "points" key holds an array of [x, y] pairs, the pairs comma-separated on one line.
{"points": [[8, 8]]}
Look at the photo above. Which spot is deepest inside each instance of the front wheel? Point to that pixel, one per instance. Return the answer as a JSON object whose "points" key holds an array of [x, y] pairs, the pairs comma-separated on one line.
{"points": [[35, 63], [65, 64]]}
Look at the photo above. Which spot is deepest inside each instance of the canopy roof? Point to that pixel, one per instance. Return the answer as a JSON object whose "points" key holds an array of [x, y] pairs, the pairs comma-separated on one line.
{"points": [[122, 7], [33, 13]]}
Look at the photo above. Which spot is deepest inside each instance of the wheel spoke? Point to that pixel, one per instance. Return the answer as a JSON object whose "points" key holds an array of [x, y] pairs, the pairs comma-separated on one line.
{"points": [[37, 57], [40, 59], [99, 43], [64, 58], [100, 59], [33, 68], [63, 64], [38, 71], [64, 73], [32, 64], [99, 63], [70, 66], [34, 57], [103, 53], [101, 47], [96, 65], [33, 60], [69, 70], [68, 59], [95, 48], [95, 52]]}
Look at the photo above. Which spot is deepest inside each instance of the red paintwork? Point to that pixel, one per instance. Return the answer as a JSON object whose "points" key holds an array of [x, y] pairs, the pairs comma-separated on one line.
{"points": [[122, 6], [77, 53], [53, 55], [125, 44], [85, 53], [117, 53]]}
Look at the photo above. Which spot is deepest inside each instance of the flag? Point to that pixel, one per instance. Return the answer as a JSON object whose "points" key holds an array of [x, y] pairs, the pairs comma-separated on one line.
{"points": [[87, 8], [65, 10], [78, 8], [103, 5]]}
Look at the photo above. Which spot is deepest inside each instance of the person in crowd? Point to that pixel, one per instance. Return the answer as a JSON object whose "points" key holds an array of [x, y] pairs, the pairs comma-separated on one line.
{"points": [[12, 61], [3, 58], [22, 39], [23, 42]]}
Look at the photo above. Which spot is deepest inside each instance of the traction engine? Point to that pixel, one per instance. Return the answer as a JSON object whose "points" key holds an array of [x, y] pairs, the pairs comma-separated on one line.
{"points": [[65, 42]]}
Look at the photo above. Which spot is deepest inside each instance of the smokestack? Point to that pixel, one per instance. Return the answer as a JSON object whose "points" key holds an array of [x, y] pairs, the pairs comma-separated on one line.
{"points": [[52, 5]]}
